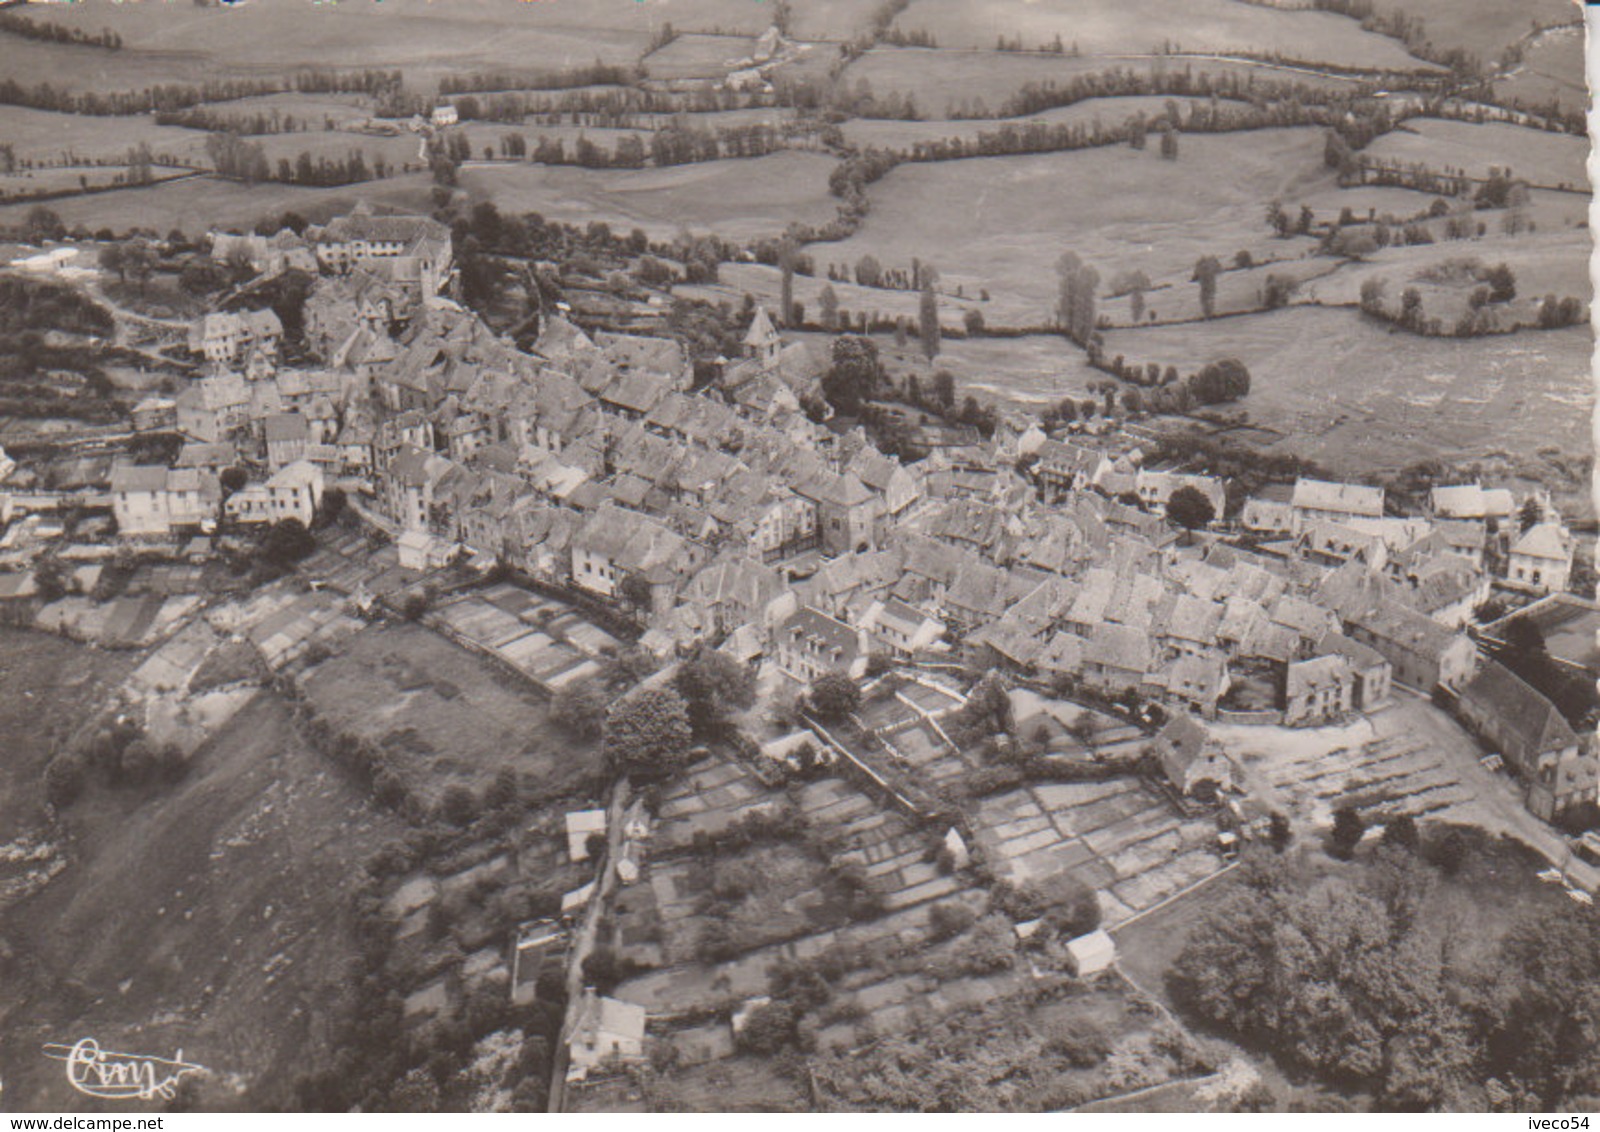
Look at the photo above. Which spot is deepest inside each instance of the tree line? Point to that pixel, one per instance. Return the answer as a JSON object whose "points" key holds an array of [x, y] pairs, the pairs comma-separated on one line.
{"points": [[55, 33], [181, 96]]}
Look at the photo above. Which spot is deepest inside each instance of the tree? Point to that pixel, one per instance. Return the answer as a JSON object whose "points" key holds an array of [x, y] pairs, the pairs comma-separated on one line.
{"points": [[648, 733], [855, 374], [1411, 308], [458, 806], [64, 779], [1530, 514], [1400, 832], [1279, 219], [1206, 271], [1502, 283], [786, 294], [1372, 296], [1348, 828], [1077, 296], [286, 542], [713, 684], [868, 271], [1169, 142], [768, 1028], [928, 321], [828, 305], [580, 708], [1277, 290], [944, 389], [1190, 509], [834, 696], [332, 506], [635, 591], [1278, 832]]}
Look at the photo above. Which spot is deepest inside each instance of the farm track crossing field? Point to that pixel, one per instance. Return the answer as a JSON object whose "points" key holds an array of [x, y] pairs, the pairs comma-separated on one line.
{"points": [[1147, 25], [1483, 29], [1551, 69]]}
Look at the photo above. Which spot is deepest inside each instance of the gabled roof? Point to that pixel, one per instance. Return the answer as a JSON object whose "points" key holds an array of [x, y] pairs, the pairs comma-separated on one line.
{"points": [[1548, 541], [1523, 714], [1349, 498]]}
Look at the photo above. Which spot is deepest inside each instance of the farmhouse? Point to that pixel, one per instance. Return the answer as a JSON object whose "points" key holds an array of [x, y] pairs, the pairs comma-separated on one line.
{"points": [[1090, 954], [615, 544], [1155, 488]]}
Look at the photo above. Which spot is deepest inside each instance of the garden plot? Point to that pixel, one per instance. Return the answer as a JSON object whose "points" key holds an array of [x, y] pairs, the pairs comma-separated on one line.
{"points": [[1117, 837], [347, 562], [713, 795], [679, 990], [737, 902], [540, 656], [880, 841], [1388, 773]]}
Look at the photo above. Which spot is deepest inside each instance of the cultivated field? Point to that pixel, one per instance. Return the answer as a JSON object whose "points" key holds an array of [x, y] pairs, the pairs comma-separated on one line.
{"points": [[1362, 399], [698, 56], [1485, 29], [1544, 159], [442, 716], [743, 199], [166, 44], [1109, 113], [1001, 223], [40, 135], [1139, 26], [946, 82], [200, 203]]}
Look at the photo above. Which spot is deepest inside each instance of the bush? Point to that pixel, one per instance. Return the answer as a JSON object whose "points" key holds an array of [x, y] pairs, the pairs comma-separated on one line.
{"points": [[768, 1028], [945, 921], [64, 779], [458, 807], [834, 697]]}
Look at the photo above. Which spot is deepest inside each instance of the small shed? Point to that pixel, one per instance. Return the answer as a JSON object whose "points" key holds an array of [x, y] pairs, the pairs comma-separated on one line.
{"points": [[957, 849], [1090, 954]]}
